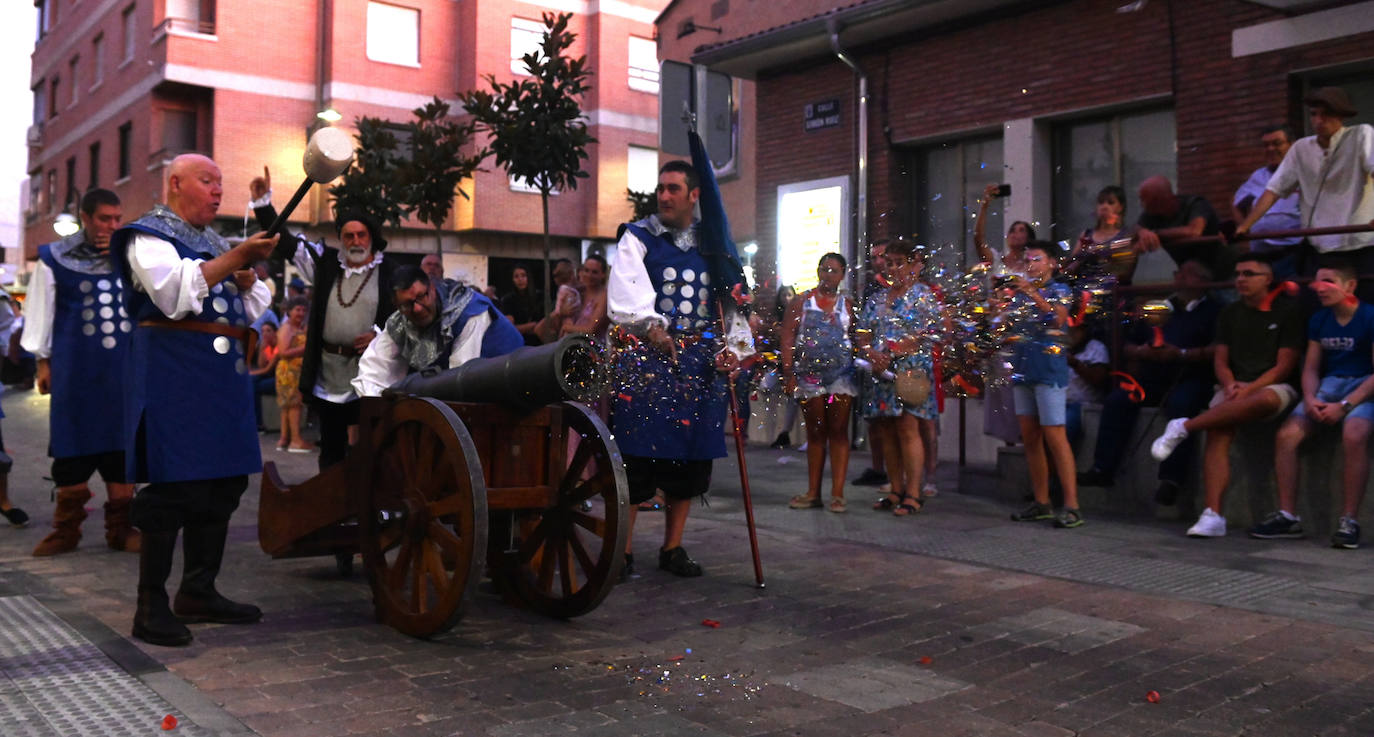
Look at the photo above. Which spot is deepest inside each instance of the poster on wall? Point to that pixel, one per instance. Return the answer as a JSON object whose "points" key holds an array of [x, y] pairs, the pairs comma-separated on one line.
{"points": [[813, 220]]}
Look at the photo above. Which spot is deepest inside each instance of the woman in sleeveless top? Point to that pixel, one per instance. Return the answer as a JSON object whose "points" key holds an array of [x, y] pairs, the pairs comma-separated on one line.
{"points": [[818, 370]]}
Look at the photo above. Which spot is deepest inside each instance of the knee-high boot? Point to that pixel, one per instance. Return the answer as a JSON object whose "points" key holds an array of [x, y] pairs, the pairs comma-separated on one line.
{"points": [[67, 517], [154, 622], [197, 600], [119, 532]]}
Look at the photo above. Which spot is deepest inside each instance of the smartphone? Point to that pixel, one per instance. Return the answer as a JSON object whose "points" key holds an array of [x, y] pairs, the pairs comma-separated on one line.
{"points": [[1004, 190]]}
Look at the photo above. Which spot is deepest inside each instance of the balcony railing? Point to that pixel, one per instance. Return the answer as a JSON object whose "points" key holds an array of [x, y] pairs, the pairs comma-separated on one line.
{"points": [[185, 25]]}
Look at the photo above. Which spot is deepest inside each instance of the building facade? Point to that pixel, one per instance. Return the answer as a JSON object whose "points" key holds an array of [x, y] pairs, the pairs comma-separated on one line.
{"points": [[1054, 98], [123, 86]]}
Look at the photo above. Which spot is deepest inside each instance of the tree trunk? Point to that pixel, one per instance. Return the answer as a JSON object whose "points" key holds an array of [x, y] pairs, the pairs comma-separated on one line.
{"points": [[548, 261], [439, 241]]}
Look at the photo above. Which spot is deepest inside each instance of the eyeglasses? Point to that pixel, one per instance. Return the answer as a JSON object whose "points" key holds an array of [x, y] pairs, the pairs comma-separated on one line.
{"points": [[829, 270], [409, 305], [1247, 273]]}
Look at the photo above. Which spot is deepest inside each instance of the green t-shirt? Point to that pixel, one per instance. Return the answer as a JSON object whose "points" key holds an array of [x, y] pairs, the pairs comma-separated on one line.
{"points": [[1254, 338]]}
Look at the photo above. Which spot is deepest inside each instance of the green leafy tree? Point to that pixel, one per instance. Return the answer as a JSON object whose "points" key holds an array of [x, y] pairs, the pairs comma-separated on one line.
{"points": [[438, 165], [538, 132], [374, 183], [644, 203]]}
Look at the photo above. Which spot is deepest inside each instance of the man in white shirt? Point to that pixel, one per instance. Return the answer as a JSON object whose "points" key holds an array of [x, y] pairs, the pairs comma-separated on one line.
{"points": [[189, 429], [1331, 171], [436, 323]]}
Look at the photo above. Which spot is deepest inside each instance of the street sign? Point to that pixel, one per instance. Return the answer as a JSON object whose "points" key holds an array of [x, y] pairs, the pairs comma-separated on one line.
{"points": [[818, 115]]}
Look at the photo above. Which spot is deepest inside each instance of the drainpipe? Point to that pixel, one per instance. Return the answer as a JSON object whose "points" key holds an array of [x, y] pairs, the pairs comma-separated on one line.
{"points": [[861, 185]]}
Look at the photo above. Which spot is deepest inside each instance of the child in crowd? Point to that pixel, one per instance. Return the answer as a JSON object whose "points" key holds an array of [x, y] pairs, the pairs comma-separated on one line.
{"points": [[1039, 311]]}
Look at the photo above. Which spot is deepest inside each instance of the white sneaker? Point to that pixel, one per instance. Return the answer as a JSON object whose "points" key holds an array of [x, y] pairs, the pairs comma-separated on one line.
{"points": [[1209, 524], [1174, 433]]}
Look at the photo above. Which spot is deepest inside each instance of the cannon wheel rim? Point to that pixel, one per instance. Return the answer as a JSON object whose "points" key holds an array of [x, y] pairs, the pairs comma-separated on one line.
{"points": [[424, 452], [552, 571]]}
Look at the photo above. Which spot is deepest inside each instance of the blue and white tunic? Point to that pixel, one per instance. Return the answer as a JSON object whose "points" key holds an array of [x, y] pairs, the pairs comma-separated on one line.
{"points": [[660, 409], [90, 342], [189, 401]]}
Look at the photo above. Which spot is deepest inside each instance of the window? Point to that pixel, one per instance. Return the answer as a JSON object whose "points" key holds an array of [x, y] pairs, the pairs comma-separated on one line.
{"points": [[54, 88], [393, 34], [71, 197], [95, 166], [40, 102], [523, 185], [178, 131], [35, 192], [50, 200], [643, 65], [950, 178], [643, 169], [46, 12], [97, 61], [1123, 149], [75, 81], [127, 23], [526, 37], [126, 139]]}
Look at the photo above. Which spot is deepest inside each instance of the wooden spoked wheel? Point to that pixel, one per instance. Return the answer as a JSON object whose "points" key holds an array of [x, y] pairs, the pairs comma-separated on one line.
{"points": [[566, 558], [423, 517]]}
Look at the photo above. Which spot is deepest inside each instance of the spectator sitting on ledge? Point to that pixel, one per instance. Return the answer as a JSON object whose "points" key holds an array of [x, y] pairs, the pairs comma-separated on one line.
{"points": [[1257, 347], [1337, 385]]}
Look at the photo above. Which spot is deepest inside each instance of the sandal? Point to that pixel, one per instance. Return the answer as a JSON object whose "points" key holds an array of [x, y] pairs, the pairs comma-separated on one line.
{"points": [[837, 505], [906, 510], [652, 505], [888, 502], [805, 501]]}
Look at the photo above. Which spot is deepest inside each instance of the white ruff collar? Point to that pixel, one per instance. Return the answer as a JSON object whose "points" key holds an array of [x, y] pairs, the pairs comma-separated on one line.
{"points": [[355, 270]]}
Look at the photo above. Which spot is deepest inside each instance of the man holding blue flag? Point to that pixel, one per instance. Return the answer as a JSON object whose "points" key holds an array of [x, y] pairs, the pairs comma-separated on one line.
{"points": [[664, 296]]}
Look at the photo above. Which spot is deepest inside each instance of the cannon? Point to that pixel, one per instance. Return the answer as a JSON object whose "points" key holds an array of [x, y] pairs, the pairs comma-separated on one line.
{"points": [[497, 467]]}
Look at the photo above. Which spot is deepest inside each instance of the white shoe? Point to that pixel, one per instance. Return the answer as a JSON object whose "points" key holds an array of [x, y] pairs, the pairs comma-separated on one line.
{"points": [[1174, 433], [1209, 524]]}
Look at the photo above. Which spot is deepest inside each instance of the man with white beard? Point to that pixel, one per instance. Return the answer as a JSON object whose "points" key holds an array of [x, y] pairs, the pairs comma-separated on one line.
{"points": [[350, 302]]}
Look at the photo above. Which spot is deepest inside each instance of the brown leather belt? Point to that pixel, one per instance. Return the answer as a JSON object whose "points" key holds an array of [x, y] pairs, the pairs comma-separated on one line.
{"points": [[247, 336], [347, 351]]}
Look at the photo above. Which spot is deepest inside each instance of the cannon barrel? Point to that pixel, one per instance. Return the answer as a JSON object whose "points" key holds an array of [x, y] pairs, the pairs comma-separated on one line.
{"points": [[523, 379]]}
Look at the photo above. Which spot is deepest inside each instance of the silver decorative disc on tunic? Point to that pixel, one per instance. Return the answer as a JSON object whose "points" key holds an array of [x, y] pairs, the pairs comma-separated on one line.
{"points": [[108, 342], [688, 291], [125, 326], [88, 301], [705, 278], [686, 306], [220, 305], [669, 273], [217, 289], [88, 314], [670, 288], [221, 345], [88, 329], [222, 320], [107, 327], [86, 286], [105, 298], [106, 312], [689, 275], [665, 305], [104, 285], [240, 366]]}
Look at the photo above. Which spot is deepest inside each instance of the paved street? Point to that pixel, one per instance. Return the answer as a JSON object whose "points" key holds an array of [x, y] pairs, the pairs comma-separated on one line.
{"points": [[956, 622]]}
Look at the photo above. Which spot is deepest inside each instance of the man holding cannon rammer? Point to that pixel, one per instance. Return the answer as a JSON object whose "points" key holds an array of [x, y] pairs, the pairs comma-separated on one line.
{"points": [[189, 426], [668, 413]]}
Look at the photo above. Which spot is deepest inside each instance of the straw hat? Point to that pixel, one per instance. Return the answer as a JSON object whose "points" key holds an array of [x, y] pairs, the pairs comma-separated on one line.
{"points": [[1333, 99]]}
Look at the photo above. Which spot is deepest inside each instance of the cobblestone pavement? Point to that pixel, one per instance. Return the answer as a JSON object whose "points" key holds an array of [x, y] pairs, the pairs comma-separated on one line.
{"points": [[952, 623]]}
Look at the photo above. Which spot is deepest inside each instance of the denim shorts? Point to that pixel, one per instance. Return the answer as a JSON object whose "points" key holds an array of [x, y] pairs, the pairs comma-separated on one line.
{"points": [[1043, 401], [1334, 389]]}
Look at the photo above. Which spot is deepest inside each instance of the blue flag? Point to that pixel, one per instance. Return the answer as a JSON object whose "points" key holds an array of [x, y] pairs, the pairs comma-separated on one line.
{"points": [[715, 243]]}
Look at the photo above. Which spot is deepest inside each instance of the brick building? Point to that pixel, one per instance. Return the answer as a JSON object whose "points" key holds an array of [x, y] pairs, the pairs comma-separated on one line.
{"points": [[1054, 98], [122, 86]]}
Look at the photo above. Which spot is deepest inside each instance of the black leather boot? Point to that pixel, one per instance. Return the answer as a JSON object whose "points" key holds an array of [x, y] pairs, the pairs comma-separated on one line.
{"points": [[197, 600], [154, 622]]}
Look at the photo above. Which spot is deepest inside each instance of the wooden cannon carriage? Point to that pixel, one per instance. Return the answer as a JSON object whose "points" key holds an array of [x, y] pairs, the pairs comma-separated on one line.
{"points": [[524, 486]]}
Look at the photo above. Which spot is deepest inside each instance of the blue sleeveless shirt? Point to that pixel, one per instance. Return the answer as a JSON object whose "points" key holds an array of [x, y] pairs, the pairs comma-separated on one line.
{"points": [[666, 411], [90, 341], [188, 412]]}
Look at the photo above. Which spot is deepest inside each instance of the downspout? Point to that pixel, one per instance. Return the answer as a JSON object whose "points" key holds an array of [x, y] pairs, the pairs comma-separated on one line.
{"points": [[861, 185]]}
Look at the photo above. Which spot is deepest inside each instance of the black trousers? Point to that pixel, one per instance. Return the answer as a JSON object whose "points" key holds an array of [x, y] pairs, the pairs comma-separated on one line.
{"points": [[334, 421], [168, 507]]}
